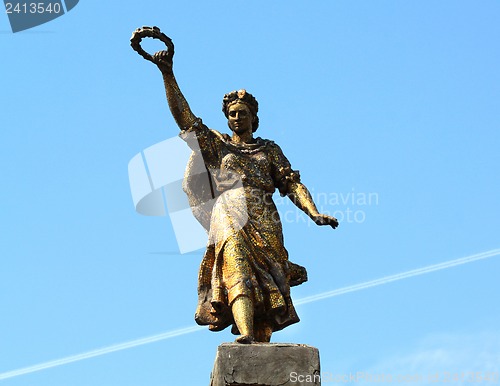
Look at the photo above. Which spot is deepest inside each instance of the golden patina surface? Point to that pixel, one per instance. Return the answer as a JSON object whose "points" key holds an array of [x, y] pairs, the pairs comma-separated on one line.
{"points": [[245, 275]]}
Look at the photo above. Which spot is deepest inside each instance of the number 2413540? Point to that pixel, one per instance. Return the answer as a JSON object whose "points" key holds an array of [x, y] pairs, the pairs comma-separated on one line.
{"points": [[32, 8]]}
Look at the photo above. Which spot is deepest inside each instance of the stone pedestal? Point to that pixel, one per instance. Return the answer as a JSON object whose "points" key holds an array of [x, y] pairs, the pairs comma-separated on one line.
{"points": [[266, 364]]}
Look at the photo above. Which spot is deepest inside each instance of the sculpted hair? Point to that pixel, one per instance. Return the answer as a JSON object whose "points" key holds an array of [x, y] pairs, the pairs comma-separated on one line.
{"points": [[241, 96]]}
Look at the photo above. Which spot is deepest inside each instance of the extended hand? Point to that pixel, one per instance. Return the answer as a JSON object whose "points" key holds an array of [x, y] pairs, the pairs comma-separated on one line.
{"points": [[323, 219], [163, 59]]}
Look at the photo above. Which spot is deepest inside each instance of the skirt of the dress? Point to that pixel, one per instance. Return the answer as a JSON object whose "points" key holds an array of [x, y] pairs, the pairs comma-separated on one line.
{"points": [[245, 257]]}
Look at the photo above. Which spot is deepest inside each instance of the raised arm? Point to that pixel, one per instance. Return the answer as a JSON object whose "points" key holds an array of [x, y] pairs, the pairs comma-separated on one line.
{"points": [[164, 60], [300, 196], [179, 107]]}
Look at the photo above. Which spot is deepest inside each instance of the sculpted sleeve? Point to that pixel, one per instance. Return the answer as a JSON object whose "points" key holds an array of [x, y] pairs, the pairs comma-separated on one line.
{"points": [[282, 172], [205, 141]]}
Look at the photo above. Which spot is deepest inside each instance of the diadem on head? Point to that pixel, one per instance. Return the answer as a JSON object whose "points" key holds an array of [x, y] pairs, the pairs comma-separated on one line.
{"points": [[241, 96]]}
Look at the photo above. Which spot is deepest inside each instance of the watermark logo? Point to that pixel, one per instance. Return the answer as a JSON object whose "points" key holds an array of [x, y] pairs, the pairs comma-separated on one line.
{"points": [[158, 187], [363, 378], [347, 207], [161, 184], [24, 15]]}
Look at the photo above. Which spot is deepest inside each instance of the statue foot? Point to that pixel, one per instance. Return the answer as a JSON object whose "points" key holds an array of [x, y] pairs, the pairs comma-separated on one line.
{"points": [[245, 339], [263, 333]]}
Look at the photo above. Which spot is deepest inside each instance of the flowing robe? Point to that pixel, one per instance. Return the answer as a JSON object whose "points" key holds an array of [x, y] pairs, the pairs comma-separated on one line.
{"points": [[245, 255]]}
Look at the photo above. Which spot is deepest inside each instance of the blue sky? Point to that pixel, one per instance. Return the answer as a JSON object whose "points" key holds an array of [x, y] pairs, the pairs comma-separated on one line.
{"points": [[395, 99]]}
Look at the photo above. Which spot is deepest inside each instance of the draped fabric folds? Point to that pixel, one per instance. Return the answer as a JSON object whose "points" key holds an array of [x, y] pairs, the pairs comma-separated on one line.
{"points": [[245, 255]]}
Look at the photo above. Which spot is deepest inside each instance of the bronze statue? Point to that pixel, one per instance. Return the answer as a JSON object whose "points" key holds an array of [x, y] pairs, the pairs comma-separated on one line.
{"points": [[245, 275]]}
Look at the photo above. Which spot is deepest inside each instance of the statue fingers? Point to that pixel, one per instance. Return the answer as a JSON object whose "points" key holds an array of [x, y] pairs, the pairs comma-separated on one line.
{"points": [[162, 59], [324, 219], [330, 220], [334, 223], [160, 56]]}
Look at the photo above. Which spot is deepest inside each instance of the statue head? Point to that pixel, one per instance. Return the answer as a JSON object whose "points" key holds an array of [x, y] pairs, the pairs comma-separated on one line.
{"points": [[241, 96]]}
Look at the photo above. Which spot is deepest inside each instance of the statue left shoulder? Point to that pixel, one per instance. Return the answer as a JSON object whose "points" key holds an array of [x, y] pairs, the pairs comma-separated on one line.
{"points": [[270, 144]]}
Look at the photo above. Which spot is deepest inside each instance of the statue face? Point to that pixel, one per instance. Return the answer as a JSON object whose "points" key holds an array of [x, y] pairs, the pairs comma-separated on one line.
{"points": [[240, 118]]}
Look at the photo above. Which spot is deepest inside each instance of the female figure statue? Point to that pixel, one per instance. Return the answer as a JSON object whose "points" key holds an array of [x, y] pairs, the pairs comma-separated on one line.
{"points": [[245, 275]]}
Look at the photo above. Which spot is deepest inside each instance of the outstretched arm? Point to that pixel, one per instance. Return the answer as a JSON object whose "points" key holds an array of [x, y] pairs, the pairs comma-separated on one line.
{"points": [[300, 196], [179, 107], [164, 59]]}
